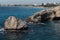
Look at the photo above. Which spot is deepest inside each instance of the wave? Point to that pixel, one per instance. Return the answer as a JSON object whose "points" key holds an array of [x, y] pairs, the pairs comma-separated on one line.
{"points": [[1, 29]]}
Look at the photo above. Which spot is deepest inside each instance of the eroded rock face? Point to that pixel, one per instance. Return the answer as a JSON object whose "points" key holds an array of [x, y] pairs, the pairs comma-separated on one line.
{"points": [[13, 23], [41, 16], [47, 15]]}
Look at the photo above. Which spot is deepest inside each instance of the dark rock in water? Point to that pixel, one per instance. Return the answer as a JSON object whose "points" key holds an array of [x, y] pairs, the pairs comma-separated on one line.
{"points": [[14, 24]]}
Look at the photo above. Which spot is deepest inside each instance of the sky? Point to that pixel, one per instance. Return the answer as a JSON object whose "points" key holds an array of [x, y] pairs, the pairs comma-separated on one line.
{"points": [[27, 1]]}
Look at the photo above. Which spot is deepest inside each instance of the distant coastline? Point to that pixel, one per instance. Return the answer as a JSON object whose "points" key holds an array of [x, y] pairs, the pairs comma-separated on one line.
{"points": [[33, 5], [27, 6], [43, 5]]}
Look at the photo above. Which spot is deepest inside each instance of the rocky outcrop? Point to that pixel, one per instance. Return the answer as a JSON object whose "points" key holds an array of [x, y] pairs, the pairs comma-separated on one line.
{"points": [[45, 15], [41, 16], [13, 23], [57, 13]]}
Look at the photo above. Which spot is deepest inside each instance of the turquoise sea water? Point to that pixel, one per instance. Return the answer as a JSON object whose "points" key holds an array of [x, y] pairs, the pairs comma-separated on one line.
{"points": [[20, 12], [47, 31]]}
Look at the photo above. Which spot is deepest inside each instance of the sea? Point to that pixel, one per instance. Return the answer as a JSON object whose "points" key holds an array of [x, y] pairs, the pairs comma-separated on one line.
{"points": [[47, 31]]}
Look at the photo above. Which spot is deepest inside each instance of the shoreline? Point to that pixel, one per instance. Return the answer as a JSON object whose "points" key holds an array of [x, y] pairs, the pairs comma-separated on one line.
{"points": [[26, 6]]}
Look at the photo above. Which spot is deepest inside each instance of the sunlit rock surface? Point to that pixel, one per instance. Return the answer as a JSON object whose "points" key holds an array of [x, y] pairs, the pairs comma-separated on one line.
{"points": [[57, 13], [13, 23], [57, 10]]}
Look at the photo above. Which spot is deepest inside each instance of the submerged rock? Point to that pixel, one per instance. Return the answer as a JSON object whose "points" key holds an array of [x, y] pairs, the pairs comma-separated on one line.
{"points": [[13, 23], [45, 15]]}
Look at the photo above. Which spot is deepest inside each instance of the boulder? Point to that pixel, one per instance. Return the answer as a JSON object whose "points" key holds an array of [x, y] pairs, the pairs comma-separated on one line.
{"points": [[13, 23]]}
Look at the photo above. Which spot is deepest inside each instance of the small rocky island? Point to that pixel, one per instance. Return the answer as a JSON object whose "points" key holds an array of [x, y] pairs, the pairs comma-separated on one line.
{"points": [[45, 15], [14, 24]]}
